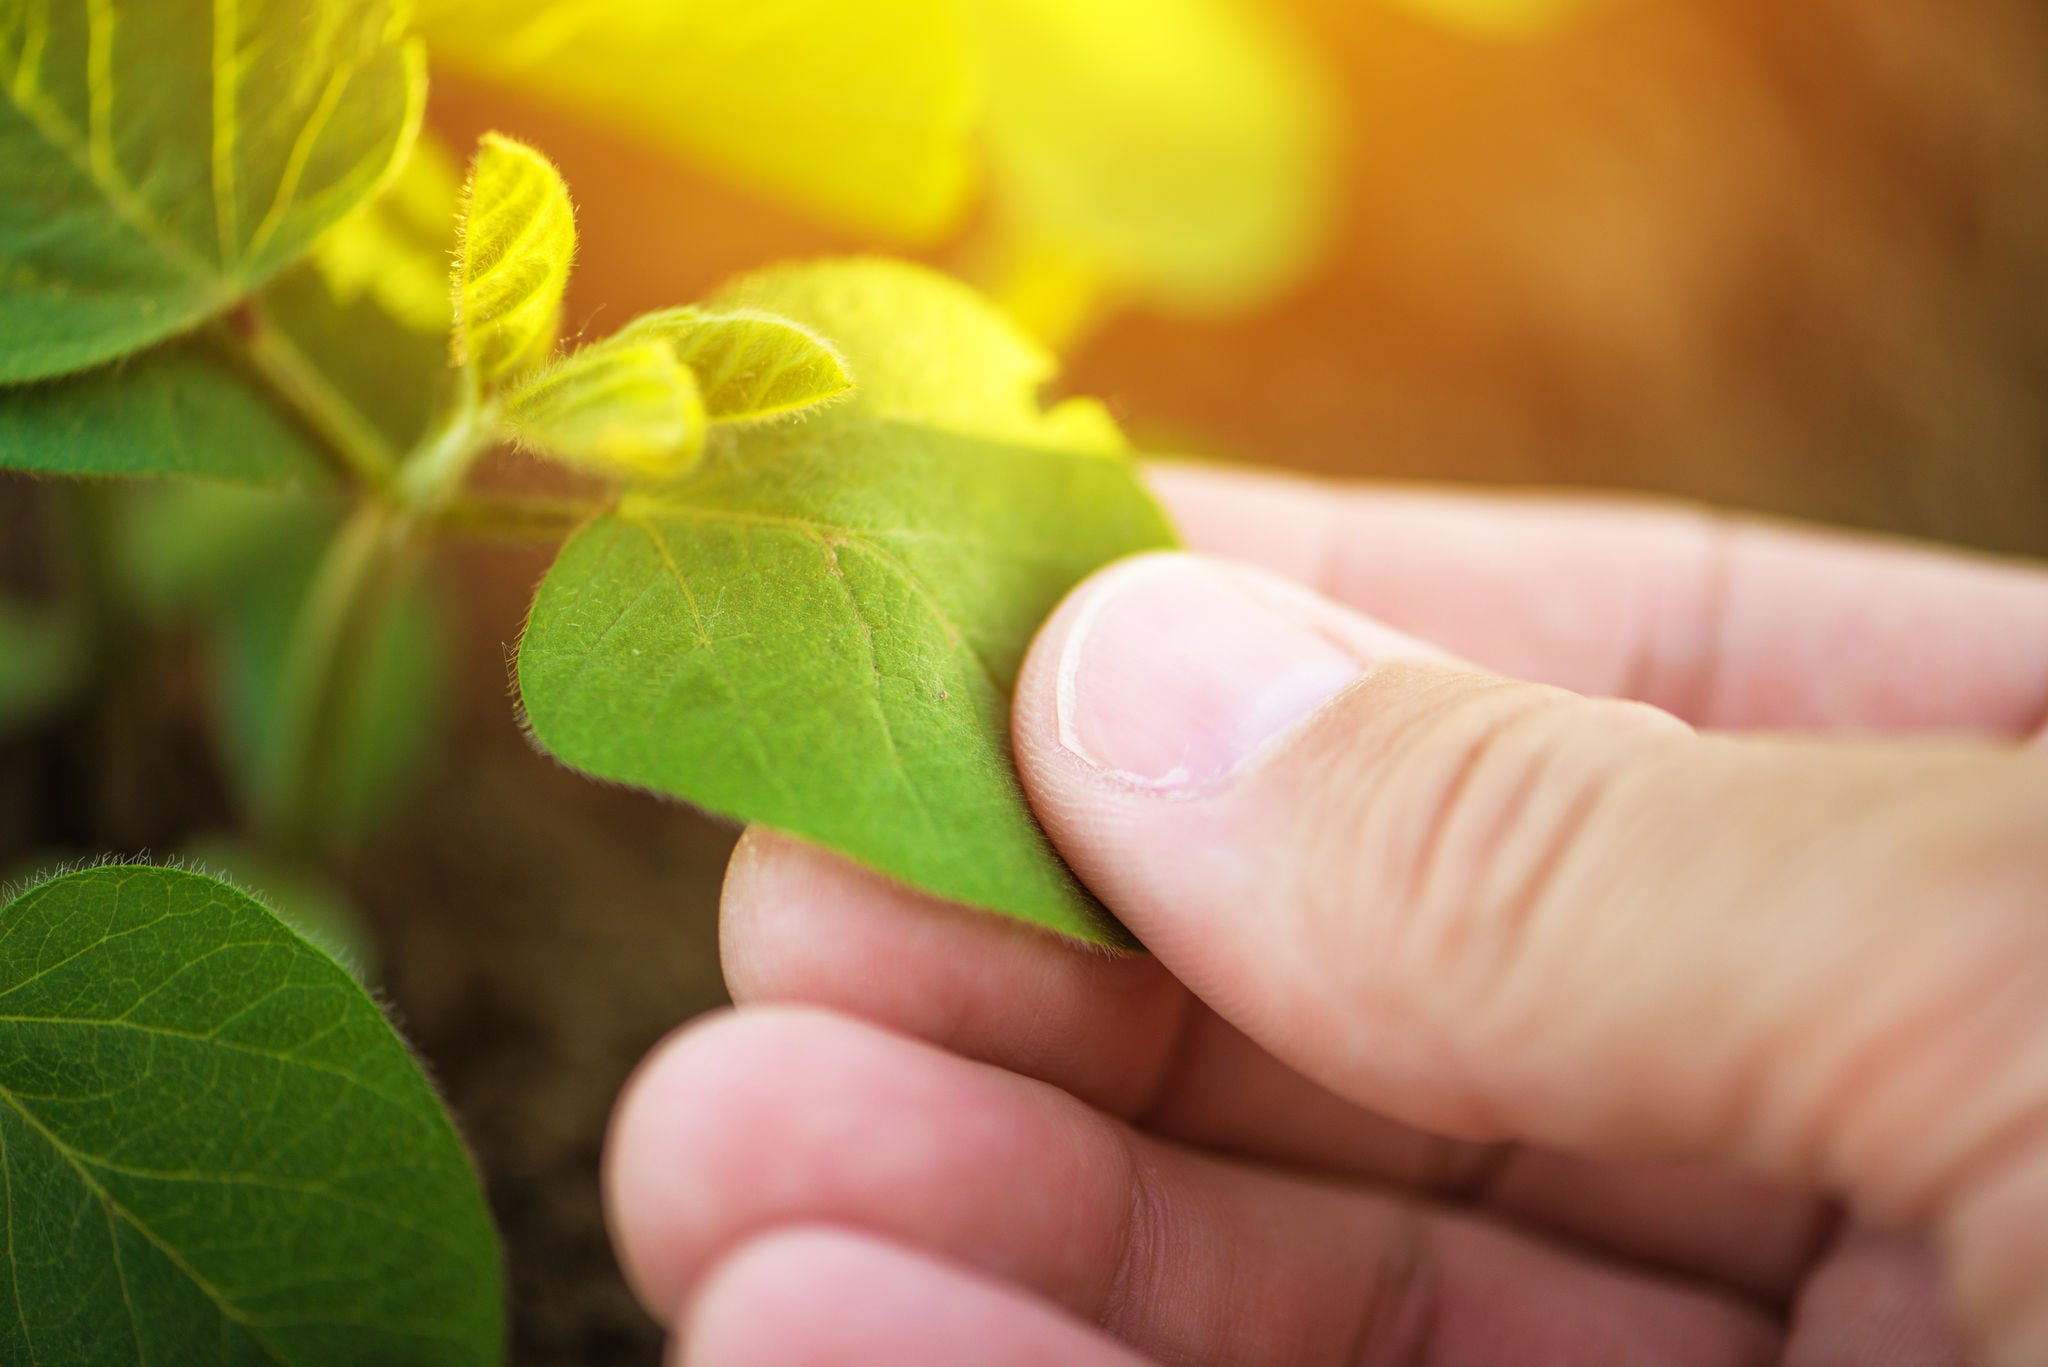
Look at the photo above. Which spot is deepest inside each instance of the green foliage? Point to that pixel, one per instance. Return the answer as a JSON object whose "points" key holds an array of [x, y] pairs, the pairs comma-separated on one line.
{"points": [[186, 410], [240, 565], [367, 313], [157, 164], [41, 657], [820, 629], [861, 112], [749, 365], [626, 408], [215, 1148], [928, 350], [516, 238]]}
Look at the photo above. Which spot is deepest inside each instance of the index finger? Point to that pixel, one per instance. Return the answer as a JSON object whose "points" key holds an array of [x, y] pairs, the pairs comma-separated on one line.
{"points": [[1728, 622]]}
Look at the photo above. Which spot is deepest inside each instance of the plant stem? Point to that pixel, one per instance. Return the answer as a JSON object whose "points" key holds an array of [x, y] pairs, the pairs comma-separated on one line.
{"points": [[337, 628], [365, 564], [516, 518], [355, 446], [433, 473]]}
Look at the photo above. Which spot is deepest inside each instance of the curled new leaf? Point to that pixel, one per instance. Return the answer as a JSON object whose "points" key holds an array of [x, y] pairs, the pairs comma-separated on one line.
{"points": [[748, 364], [625, 407], [924, 347], [517, 238]]}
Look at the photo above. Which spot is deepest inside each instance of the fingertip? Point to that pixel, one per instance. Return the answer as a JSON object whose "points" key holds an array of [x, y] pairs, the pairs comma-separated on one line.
{"points": [[801, 925], [815, 1296]]}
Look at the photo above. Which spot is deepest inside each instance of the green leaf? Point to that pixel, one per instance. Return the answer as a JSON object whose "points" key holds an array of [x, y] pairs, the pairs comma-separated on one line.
{"points": [[187, 410], [516, 241], [1182, 149], [158, 163], [926, 348], [750, 365], [623, 407], [214, 1148], [41, 659], [821, 630], [861, 112], [369, 310]]}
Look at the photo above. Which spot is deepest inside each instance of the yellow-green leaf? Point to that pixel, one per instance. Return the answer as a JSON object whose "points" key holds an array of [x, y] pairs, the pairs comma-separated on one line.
{"points": [[1182, 149], [517, 239], [624, 407], [160, 161], [926, 348], [749, 365], [862, 112]]}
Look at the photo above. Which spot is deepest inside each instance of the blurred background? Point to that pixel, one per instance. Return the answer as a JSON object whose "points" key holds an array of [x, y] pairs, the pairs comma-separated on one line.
{"points": [[1785, 255]]}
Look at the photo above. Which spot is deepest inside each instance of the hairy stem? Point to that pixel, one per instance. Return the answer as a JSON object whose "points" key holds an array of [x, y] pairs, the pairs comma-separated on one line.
{"points": [[355, 446]]}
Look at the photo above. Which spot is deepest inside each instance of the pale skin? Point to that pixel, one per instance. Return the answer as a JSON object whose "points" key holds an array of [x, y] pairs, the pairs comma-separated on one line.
{"points": [[1486, 1022]]}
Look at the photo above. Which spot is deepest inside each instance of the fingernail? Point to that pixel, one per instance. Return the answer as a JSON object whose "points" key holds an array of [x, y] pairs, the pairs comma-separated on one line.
{"points": [[1179, 670]]}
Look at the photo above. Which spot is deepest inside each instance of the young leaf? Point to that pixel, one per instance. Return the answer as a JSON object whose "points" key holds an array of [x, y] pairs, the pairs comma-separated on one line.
{"points": [[924, 347], [624, 407], [1182, 148], [861, 112], [159, 162], [750, 365], [517, 237], [214, 1145], [820, 631]]}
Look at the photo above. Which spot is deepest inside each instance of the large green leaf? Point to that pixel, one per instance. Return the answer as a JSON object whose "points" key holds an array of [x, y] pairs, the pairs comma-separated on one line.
{"points": [[187, 409], [160, 161], [214, 1149], [821, 632], [861, 111], [820, 628], [369, 310]]}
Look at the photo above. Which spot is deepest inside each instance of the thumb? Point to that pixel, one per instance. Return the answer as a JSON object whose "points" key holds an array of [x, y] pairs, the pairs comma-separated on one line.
{"points": [[1502, 910]]}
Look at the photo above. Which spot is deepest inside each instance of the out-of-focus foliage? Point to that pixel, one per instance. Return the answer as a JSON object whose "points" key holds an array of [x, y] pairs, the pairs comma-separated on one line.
{"points": [[1179, 151], [40, 659], [239, 563], [1499, 17], [155, 167], [860, 111], [368, 310]]}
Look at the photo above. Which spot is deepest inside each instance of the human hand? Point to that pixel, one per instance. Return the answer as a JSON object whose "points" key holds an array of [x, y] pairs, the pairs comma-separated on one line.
{"points": [[1487, 1023]]}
